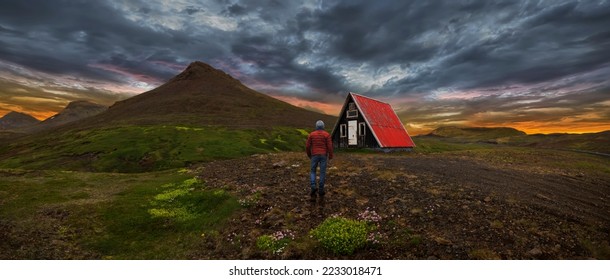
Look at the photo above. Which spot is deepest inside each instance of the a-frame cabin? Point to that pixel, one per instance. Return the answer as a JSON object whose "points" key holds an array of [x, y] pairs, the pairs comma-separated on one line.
{"points": [[368, 123]]}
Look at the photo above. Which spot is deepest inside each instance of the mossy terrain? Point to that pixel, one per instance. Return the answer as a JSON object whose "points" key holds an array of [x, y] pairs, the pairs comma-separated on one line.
{"points": [[76, 215], [166, 192], [144, 148]]}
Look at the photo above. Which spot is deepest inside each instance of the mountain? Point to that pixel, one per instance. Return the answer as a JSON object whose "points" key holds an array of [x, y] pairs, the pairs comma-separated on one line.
{"points": [[14, 120], [202, 95], [200, 115], [476, 133], [74, 111]]}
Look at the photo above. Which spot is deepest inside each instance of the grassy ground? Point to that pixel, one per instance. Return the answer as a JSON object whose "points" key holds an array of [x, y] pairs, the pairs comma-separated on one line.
{"points": [[75, 215], [144, 148], [50, 213]]}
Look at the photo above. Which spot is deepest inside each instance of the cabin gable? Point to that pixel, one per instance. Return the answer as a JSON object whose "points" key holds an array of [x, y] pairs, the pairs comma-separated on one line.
{"points": [[367, 123]]}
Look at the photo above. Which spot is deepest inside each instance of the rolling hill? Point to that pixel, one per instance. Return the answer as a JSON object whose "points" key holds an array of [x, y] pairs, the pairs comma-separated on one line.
{"points": [[16, 120], [476, 133], [444, 138], [586, 142]]}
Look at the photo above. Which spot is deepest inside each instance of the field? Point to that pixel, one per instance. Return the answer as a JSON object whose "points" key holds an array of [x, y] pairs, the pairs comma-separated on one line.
{"points": [[445, 200]]}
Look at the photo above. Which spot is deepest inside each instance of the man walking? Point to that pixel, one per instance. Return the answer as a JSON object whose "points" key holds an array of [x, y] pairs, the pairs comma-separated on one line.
{"points": [[319, 149]]}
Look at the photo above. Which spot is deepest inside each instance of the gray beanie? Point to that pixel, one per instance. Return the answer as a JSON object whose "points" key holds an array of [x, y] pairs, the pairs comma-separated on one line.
{"points": [[319, 124]]}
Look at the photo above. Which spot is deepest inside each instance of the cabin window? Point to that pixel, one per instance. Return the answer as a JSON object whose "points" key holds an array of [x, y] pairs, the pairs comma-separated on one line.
{"points": [[361, 129], [343, 130], [351, 112]]}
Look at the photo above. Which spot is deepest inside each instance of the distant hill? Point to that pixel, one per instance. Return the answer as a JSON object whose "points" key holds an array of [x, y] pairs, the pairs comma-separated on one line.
{"points": [[202, 95], [587, 142], [15, 120], [74, 111], [476, 133]]}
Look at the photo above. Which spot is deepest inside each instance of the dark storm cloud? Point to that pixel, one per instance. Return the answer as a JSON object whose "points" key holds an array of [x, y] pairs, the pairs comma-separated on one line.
{"points": [[67, 38], [276, 62], [468, 44], [237, 10], [459, 44], [193, 10]]}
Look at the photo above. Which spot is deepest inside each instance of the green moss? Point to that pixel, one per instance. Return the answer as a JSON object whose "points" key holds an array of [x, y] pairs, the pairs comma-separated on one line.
{"points": [[342, 236], [163, 221]]}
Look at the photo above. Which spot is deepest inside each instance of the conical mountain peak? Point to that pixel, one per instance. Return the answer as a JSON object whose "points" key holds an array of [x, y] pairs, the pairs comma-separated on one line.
{"points": [[16, 120], [15, 115], [200, 71], [204, 95]]}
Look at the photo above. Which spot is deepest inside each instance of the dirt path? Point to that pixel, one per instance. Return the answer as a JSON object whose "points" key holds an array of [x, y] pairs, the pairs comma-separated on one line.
{"points": [[432, 206]]}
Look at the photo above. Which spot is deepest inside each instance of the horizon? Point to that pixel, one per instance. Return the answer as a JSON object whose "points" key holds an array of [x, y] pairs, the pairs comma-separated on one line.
{"points": [[423, 133], [536, 67]]}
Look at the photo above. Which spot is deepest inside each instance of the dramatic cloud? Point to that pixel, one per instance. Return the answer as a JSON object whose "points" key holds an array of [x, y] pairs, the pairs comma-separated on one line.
{"points": [[541, 66]]}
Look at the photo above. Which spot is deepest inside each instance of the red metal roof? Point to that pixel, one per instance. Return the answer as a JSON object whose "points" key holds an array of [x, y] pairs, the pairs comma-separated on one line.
{"points": [[383, 121]]}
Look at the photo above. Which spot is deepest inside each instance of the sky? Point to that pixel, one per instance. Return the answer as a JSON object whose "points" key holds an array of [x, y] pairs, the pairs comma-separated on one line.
{"points": [[538, 66]]}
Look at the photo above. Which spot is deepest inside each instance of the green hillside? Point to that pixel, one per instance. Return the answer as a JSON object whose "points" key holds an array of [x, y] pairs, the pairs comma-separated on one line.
{"points": [[589, 142], [452, 138], [144, 148]]}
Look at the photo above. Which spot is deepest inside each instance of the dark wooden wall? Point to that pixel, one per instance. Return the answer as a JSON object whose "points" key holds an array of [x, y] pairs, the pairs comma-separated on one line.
{"points": [[341, 142]]}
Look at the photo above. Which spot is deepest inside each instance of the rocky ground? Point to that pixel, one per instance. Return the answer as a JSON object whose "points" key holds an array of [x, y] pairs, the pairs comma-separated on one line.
{"points": [[442, 206]]}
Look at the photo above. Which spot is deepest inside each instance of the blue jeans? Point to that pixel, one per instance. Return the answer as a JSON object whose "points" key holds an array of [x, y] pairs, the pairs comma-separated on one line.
{"points": [[315, 160]]}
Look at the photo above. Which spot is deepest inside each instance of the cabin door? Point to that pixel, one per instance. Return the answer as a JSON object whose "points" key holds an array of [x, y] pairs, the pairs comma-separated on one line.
{"points": [[352, 130]]}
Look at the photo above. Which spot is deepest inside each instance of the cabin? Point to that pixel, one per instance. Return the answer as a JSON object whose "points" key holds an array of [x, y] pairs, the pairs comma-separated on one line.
{"points": [[368, 123]]}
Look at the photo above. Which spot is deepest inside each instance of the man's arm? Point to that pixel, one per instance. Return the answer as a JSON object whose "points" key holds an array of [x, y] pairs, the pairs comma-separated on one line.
{"points": [[329, 147], [308, 146]]}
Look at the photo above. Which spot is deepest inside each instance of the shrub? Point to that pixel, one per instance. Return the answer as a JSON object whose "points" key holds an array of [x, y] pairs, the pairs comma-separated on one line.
{"points": [[342, 236]]}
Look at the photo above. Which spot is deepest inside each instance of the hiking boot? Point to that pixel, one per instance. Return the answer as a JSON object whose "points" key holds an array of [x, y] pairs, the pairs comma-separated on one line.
{"points": [[313, 192]]}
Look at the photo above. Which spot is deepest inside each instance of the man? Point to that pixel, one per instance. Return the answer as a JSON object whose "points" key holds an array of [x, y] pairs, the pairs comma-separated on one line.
{"points": [[319, 148]]}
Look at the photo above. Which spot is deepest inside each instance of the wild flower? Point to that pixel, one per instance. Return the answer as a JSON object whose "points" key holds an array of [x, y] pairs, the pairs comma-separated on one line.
{"points": [[276, 242], [369, 216], [374, 237], [234, 238], [279, 235], [257, 189]]}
